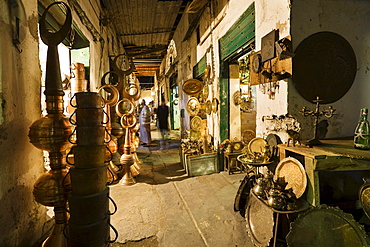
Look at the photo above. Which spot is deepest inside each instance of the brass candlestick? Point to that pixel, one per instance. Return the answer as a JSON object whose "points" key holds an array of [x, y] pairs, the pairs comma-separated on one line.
{"points": [[317, 114], [51, 133]]}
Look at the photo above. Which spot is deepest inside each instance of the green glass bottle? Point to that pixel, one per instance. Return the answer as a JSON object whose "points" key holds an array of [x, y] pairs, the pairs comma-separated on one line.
{"points": [[362, 132]]}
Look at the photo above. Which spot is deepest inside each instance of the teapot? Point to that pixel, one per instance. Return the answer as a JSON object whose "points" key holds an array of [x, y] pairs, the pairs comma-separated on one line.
{"points": [[260, 188], [275, 199]]}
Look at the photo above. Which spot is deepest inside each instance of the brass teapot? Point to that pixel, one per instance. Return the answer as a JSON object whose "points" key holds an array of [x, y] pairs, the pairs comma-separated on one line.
{"points": [[276, 199]]}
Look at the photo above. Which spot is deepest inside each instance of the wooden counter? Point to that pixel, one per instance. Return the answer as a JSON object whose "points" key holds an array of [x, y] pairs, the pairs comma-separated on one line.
{"points": [[332, 155]]}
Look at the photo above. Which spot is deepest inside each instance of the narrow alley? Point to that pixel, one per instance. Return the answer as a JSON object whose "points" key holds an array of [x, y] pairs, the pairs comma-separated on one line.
{"points": [[167, 208]]}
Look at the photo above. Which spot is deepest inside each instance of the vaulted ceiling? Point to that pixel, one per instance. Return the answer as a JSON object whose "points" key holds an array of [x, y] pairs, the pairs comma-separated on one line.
{"points": [[145, 28]]}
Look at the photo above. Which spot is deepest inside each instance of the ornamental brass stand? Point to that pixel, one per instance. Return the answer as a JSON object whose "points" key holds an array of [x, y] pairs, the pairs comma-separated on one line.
{"points": [[317, 114], [51, 133], [128, 121]]}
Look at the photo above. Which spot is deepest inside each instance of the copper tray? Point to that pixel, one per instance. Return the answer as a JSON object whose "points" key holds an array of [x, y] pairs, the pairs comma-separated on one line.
{"points": [[326, 226], [193, 106], [192, 86], [293, 173]]}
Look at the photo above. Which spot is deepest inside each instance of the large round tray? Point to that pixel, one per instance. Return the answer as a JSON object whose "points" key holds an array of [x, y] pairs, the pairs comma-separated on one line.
{"points": [[293, 173], [326, 226], [260, 221], [257, 145]]}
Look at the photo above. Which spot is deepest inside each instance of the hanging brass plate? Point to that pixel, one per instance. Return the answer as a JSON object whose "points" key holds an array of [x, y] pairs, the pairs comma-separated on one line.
{"points": [[192, 86], [247, 136], [208, 107], [193, 106], [215, 105], [196, 123]]}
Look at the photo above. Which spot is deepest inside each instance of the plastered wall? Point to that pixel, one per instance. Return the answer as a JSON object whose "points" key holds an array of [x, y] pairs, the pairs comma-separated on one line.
{"points": [[23, 221], [351, 20]]}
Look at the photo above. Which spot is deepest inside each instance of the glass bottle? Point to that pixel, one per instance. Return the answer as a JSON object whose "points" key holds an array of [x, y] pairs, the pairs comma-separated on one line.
{"points": [[362, 131]]}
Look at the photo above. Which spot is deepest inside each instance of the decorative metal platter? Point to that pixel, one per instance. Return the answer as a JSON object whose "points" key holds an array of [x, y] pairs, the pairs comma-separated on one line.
{"points": [[260, 221], [364, 196], [207, 73], [208, 107], [247, 136], [192, 86], [246, 159], [205, 92], [196, 123], [324, 65], [242, 195], [193, 106], [292, 172], [326, 226], [215, 105], [256, 145]]}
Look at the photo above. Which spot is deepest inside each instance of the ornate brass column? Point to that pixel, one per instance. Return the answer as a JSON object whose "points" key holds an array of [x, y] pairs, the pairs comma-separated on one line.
{"points": [[51, 133]]}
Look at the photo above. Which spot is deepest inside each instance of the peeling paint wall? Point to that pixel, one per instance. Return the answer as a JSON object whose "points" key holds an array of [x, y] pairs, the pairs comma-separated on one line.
{"points": [[350, 19], [23, 221], [271, 15]]}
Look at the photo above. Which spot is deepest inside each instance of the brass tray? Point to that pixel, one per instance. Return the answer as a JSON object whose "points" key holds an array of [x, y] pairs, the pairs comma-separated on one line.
{"points": [[196, 123], [292, 172], [247, 136], [193, 106], [208, 107], [256, 145], [215, 105], [192, 86], [364, 196], [326, 226], [242, 195], [205, 92], [260, 221]]}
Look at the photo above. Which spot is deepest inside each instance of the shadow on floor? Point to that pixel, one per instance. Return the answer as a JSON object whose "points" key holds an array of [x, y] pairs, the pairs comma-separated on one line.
{"points": [[160, 166]]}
